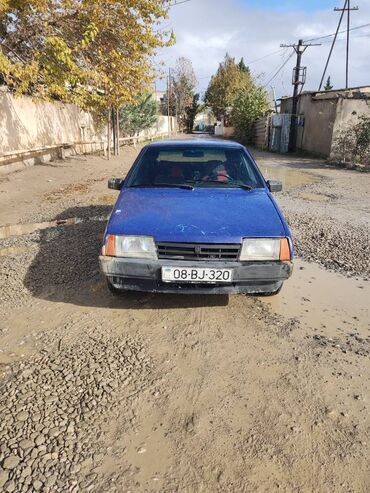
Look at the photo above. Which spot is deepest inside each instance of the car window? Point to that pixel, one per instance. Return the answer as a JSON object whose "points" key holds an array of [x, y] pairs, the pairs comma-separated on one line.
{"points": [[192, 155], [198, 166]]}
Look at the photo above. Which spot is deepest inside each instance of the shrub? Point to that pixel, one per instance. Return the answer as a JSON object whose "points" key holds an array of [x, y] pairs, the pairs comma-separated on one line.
{"points": [[249, 105], [352, 143]]}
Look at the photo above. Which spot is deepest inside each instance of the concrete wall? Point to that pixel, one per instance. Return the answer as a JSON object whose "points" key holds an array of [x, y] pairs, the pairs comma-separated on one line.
{"points": [[321, 116], [315, 124], [26, 124], [204, 117], [222, 131], [348, 111], [30, 131]]}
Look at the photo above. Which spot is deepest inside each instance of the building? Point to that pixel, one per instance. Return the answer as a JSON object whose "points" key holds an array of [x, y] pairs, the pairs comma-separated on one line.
{"points": [[322, 116], [204, 120]]}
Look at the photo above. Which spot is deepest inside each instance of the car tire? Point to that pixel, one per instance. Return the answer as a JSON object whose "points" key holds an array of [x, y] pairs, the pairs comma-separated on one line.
{"points": [[113, 289], [272, 293]]}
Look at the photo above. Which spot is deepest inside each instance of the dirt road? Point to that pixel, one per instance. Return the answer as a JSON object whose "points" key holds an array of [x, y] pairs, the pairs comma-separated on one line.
{"points": [[150, 393]]}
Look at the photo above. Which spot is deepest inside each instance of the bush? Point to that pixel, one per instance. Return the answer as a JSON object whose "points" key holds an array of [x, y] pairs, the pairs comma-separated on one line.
{"points": [[362, 151], [138, 116], [352, 143], [250, 105]]}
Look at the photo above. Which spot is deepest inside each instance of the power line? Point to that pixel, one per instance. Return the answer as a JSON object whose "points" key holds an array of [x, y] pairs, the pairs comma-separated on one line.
{"points": [[248, 63], [339, 32], [179, 3], [279, 69], [346, 8], [268, 74], [332, 45], [263, 57], [299, 79]]}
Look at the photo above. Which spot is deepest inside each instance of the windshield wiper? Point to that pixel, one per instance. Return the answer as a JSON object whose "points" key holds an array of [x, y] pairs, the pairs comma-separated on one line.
{"points": [[229, 184], [164, 185]]}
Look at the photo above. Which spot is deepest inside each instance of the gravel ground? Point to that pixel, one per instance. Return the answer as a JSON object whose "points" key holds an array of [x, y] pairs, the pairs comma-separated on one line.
{"points": [[53, 408], [329, 217], [151, 394], [341, 247]]}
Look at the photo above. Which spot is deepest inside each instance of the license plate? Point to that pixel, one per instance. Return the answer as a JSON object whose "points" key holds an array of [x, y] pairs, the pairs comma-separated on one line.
{"points": [[200, 275]]}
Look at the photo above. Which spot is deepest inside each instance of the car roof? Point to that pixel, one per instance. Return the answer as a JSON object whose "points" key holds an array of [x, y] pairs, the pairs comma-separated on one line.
{"points": [[196, 143]]}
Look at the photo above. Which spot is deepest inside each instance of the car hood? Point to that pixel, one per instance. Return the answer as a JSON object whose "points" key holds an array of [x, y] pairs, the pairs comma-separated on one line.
{"points": [[202, 215]]}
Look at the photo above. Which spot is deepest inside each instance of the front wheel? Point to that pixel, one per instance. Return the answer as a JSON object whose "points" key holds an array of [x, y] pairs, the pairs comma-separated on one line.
{"points": [[272, 293]]}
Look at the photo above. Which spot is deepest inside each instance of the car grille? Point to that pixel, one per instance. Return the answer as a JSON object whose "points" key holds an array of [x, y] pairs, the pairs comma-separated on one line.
{"points": [[197, 251]]}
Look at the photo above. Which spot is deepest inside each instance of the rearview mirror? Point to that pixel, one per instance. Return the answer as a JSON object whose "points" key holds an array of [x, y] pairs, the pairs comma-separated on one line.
{"points": [[115, 183], [274, 185], [193, 153]]}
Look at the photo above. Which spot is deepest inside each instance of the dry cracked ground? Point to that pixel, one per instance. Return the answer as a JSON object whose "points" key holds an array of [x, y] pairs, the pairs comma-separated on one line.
{"points": [[151, 393]]}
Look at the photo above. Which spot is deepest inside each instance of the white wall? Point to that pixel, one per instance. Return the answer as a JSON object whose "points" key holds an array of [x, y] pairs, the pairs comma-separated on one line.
{"points": [[163, 125], [222, 131]]}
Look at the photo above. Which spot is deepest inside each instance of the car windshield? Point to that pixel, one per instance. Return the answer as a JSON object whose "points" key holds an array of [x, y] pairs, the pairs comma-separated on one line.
{"points": [[196, 166]]}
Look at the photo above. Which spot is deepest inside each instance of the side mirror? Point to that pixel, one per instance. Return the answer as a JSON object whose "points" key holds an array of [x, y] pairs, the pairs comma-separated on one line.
{"points": [[115, 183], [274, 185]]}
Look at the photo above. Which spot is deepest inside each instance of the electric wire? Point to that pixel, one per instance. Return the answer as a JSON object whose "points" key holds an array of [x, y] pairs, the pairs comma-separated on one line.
{"points": [[339, 32], [334, 40], [179, 3], [279, 69], [250, 62]]}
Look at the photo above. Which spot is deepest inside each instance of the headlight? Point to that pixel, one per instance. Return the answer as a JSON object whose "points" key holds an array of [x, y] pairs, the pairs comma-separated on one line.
{"points": [[130, 246], [265, 249]]}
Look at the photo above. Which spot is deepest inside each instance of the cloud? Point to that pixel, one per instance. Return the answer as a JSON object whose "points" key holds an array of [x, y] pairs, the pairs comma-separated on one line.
{"points": [[207, 29]]}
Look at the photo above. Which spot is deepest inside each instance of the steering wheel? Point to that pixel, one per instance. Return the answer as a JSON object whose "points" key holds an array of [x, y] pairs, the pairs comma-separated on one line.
{"points": [[215, 176]]}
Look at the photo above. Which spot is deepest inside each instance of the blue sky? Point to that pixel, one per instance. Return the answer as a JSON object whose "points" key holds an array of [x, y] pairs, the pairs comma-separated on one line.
{"points": [[207, 29], [290, 5]]}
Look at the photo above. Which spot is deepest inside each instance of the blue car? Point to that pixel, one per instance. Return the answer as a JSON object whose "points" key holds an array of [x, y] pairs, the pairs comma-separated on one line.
{"points": [[196, 216]]}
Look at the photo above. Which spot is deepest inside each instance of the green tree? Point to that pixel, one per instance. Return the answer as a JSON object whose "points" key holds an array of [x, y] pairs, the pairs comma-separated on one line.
{"points": [[243, 67], [328, 86], [225, 86], [93, 53], [138, 116], [192, 111], [249, 105]]}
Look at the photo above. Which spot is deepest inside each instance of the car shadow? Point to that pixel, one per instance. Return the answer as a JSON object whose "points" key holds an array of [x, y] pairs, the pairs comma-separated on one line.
{"points": [[66, 268]]}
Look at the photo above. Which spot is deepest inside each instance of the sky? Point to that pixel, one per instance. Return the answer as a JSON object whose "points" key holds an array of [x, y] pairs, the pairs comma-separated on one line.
{"points": [[206, 29]]}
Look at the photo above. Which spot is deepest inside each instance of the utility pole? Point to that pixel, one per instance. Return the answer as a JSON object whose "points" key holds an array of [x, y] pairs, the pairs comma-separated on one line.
{"points": [[118, 132], [114, 133], [274, 96], [299, 79], [332, 46], [168, 100], [347, 8], [109, 130]]}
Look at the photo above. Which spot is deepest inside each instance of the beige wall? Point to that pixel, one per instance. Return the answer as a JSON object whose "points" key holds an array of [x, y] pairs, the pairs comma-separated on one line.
{"points": [[26, 124], [29, 129], [324, 115], [319, 119], [348, 111]]}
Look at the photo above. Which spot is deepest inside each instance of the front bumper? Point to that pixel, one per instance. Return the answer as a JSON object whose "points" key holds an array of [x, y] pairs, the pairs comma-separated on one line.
{"points": [[145, 275]]}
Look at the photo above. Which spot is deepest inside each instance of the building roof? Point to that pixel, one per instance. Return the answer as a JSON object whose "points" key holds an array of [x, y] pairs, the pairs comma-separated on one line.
{"points": [[335, 93]]}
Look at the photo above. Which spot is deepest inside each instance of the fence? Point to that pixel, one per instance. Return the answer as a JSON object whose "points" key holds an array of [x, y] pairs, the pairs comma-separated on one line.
{"points": [[18, 159], [262, 133]]}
